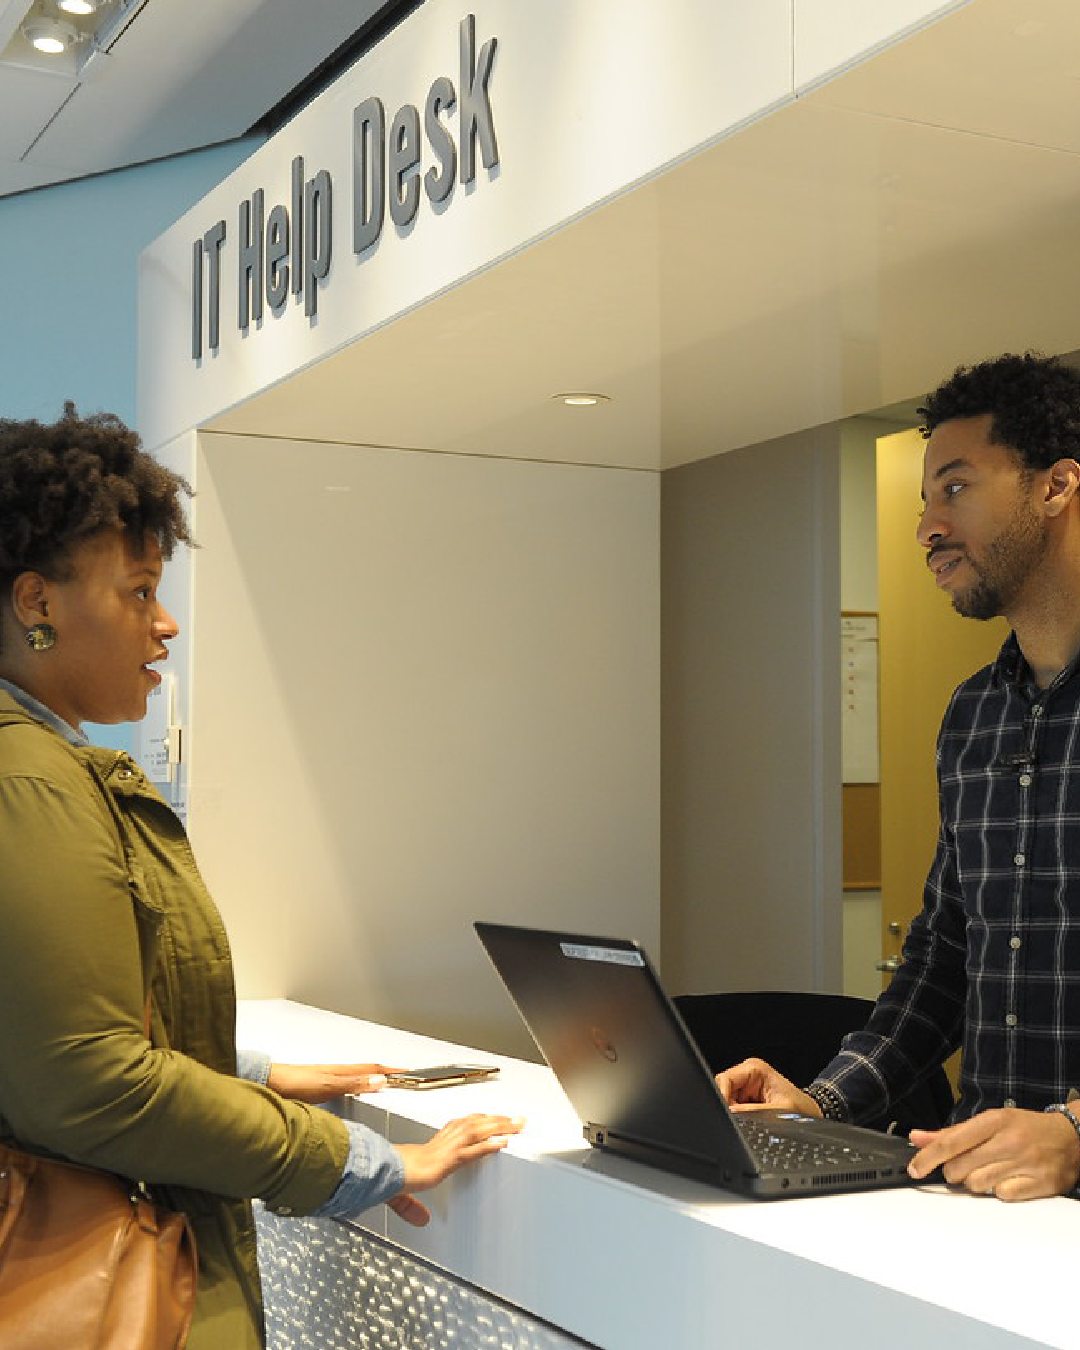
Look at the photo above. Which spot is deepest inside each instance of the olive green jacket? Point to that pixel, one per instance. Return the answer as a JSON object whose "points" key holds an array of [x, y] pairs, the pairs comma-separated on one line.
{"points": [[100, 899]]}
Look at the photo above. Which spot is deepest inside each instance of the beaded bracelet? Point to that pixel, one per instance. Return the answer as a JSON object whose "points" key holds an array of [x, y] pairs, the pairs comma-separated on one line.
{"points": [[830, 1103]]}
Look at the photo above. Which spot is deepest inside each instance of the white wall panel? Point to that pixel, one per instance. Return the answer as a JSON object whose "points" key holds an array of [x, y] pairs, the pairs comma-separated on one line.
{"points": [[751, 669], [830, 34], [427, 691]]}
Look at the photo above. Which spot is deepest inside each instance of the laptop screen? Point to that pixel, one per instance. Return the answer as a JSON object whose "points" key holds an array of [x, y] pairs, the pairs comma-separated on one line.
{"points": [[601, 1019]]}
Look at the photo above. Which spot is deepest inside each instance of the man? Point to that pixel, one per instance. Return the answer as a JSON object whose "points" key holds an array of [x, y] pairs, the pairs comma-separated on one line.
{"points": [[992, 962]]}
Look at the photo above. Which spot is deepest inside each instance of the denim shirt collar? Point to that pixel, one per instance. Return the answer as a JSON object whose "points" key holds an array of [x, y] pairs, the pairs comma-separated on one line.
{"points": [[37, 710]]}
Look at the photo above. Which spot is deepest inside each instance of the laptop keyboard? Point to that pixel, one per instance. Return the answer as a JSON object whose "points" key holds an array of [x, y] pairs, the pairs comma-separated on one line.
{"points": [[778, 1152]]}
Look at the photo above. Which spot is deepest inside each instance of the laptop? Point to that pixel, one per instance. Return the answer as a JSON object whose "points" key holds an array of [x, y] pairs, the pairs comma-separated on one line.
{"points": [[599, 1016]]}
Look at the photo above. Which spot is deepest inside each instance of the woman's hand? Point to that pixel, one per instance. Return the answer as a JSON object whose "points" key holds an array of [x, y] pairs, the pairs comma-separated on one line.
{"points": [[321, 1082], [462, 1141]]}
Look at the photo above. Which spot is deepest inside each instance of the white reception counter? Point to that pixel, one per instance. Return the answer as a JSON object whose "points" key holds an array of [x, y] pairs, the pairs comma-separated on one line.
{"points": [[633, 1259]]}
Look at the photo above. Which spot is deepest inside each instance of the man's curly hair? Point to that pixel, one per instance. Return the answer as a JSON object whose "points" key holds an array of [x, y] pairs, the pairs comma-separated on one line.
{"points": [[62, 483], [1033, 401]]}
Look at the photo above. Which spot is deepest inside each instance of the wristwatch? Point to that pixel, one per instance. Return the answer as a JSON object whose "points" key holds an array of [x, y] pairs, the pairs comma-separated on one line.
{"points": [[1065, 1109]]}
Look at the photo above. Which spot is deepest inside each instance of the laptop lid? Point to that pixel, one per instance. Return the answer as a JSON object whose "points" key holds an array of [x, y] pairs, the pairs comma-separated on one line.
{"points": [[600, 1017]]}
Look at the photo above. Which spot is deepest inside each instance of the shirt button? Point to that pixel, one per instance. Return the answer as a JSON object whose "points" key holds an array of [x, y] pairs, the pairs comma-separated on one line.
{"points": [[1025, 780], [1019, 859], [1014, 942], [1010, 1019]]}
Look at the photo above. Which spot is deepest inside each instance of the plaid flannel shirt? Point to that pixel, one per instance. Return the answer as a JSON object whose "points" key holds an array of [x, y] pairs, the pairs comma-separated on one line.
{"points": [[992, 962]]}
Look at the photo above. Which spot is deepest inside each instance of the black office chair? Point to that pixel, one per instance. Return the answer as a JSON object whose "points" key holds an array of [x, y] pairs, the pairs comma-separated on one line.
{"points": [[798, 1034]]}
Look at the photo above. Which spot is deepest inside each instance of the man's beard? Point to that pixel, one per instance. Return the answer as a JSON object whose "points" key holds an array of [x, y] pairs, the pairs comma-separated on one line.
{"points": [[1009, 561]]}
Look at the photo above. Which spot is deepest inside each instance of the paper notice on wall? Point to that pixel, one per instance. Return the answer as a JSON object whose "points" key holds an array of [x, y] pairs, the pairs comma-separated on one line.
{"points": [[859, 682], [154, 733]]}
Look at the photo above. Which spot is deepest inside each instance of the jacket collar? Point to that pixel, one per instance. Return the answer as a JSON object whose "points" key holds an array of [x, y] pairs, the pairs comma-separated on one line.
{"points": [[40, 713]]}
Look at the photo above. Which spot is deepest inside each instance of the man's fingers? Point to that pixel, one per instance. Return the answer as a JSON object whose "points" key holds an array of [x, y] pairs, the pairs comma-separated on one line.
{"points": [[745, 1082], [1012, 1154], [1018, 1188], [940, 1148], [983, 1180]]}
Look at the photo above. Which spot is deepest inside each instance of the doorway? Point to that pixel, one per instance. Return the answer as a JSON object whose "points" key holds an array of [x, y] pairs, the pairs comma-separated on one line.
{"points": [[923, 650]]}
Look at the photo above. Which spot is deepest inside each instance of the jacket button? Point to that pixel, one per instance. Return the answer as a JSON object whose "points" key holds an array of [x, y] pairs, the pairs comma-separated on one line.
{"points": [[125, 774]]}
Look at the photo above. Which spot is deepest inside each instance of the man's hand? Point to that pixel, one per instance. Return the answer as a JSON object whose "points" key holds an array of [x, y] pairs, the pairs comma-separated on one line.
{"points": [[1013, 1154], [322, 1082], [462, 1141], [753, 1083]]}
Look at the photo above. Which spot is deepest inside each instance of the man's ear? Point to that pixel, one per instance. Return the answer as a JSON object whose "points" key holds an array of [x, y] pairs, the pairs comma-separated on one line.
{"points": [[30, 598], [1062, 485]]}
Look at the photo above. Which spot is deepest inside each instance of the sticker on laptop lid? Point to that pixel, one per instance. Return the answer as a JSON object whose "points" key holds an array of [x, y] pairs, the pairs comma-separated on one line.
{"points": [[614, 956]]}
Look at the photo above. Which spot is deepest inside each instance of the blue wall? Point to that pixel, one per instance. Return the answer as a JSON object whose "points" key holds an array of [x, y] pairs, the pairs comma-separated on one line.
{"points": [[68, 306], [68, 310]]}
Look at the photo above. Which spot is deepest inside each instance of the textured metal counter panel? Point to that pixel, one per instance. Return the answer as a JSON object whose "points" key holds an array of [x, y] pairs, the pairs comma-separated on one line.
{"points": [[329, 1286]]}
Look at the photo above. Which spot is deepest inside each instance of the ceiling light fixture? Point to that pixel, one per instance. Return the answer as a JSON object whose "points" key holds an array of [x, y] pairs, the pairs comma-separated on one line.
{"points": [[115, 23], [582, 400], [51, 36], [80, 7]]}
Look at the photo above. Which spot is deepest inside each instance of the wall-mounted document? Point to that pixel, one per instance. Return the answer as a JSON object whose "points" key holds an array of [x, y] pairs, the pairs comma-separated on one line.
{"points": [[859, 681]]}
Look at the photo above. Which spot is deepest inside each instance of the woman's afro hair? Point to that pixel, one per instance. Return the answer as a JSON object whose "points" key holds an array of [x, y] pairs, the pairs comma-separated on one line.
{"points": [[63, 482]]}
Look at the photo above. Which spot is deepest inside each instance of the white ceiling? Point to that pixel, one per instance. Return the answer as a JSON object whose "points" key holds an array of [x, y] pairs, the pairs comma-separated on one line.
{"points": [[184, 74], [843, 254]]}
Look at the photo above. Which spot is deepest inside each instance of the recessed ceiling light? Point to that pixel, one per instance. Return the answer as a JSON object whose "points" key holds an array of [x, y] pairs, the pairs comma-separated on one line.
{"points": [[82, 7], [582, 399], [50, 36]]}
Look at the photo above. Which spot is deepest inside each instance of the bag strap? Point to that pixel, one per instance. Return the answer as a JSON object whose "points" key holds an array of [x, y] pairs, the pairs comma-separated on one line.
{"points": [[13, 1175]]}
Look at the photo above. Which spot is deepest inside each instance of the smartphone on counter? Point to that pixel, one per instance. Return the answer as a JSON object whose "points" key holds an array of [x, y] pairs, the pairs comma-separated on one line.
{"points": [[441, 1075]]}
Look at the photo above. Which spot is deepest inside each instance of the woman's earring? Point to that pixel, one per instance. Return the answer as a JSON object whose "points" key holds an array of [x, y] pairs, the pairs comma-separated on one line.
{"points": [[41, 637]]}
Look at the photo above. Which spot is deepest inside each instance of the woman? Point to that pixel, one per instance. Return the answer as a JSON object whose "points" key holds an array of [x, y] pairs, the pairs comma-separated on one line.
{"points": [[101, 902]]}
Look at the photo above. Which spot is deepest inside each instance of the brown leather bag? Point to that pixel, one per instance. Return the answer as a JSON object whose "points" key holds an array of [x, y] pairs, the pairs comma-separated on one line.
{"points": [[88, 1262]]}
